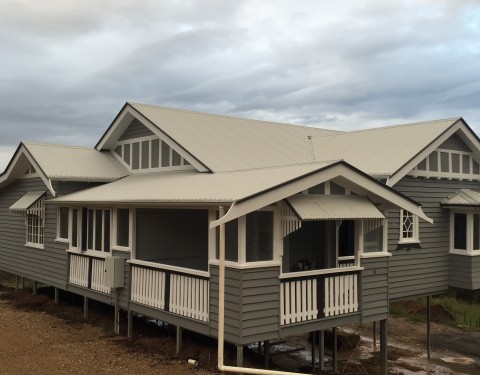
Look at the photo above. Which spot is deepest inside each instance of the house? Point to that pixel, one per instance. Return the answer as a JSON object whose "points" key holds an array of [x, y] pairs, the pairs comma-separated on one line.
{"points": [[318, 228]]}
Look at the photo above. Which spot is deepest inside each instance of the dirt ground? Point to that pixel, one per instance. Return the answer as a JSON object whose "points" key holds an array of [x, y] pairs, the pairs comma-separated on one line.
{"points": [[39, 337]]}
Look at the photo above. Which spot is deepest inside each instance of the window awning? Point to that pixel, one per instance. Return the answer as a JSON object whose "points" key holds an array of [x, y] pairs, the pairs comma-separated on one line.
{"points": [[333, 207], [464, 198], [25, 202]]}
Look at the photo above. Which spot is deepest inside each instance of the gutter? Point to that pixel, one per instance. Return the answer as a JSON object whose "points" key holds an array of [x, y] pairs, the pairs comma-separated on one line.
{"points": [[221, 317]]}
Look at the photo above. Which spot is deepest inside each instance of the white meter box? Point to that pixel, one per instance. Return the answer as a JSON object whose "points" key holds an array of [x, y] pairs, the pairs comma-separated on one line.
{"points": [[114, 268]]}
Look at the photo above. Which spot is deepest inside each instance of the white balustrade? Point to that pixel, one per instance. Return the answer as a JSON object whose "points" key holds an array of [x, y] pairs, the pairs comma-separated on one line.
{"points": [[341, 294], [298, 301], [79, 270], [189, 296], [148, 287], [299, 297], [98, 276]]}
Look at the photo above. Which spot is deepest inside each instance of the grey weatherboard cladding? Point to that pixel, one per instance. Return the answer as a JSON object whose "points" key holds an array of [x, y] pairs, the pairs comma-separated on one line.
{"points": [[46, 265]]}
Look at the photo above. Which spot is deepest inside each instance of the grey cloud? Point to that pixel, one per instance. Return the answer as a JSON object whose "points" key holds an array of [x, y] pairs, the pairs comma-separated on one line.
{"points": [[372, 63]]}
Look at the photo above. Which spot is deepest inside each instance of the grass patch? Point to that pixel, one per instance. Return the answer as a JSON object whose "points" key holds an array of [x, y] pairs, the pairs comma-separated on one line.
{"points": [[445, 309]]}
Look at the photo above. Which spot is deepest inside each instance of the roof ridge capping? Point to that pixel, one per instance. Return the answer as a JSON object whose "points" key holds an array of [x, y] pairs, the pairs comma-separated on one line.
{"points": [[416, 123], [133, 104], [57, 145]]}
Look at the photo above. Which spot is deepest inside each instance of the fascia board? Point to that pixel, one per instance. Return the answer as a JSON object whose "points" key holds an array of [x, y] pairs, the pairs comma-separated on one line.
{"points": [[23, 150], [343, 169], [111, 129], [413, 162]]}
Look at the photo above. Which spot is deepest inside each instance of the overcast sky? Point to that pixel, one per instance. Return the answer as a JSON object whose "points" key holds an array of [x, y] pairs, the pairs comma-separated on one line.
{"points": [[67, 67]]}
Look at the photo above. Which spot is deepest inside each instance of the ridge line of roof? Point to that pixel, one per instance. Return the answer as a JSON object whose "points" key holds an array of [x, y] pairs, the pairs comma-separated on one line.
{"points": [[233, 117], [27, 143], [417, 123]]}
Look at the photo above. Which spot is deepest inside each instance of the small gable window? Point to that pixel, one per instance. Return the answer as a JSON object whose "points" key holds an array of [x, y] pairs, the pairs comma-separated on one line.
{"points": [[408, 227], [149, 153]]}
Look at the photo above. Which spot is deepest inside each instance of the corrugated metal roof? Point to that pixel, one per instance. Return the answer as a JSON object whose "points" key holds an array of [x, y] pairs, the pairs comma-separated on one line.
{"points": [[381, 151], [333, 207], [226, 143], [191, 186], [76, 163], [465, 197], [26, 201]]}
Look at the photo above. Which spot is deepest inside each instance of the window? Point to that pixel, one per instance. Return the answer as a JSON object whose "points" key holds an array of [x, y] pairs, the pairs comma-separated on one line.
{"points": [[74, 237], [231, 241], [123, 227], [35, 223], [460, 232], [98, 233], [259, 241], [465, 227], [408, 227], [62, 223], [373, 241]]}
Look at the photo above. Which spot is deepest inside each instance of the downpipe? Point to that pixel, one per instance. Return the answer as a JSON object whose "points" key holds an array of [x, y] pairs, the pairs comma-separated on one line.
{"points": [[221, 317]]}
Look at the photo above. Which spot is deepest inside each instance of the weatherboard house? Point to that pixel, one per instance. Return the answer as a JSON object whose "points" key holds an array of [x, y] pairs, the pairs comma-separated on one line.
{"points": [[244, 229]]}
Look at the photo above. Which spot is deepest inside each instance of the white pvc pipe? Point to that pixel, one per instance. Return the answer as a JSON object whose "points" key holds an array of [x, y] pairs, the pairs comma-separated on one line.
{"points": [[221, 316]]}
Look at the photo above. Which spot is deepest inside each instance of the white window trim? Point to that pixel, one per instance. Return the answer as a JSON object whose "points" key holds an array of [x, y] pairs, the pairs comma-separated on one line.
{"points": [[242, 241], [131, 215], [58, 238], [40, 212], [416, 235], [103, 209], [373, 254], [79, 246], [469, 251]]}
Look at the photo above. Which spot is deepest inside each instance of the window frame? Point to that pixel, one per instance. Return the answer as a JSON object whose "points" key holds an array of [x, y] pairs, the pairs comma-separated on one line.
{"points": [[469, 232], [114, 234], [415, 238], [59, 237], [94, 230], [82, 238], [38, 210], [242, 241]]}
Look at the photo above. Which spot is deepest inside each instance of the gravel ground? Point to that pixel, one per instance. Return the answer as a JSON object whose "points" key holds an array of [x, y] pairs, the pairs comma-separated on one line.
{"points": [[34, 341], [39, 337]]}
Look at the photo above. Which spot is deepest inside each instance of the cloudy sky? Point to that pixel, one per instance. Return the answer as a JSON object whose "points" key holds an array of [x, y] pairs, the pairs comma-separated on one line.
{"points": [[67, 67]]}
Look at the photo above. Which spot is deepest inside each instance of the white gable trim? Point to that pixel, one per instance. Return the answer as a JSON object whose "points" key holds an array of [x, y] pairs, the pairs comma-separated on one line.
{"points": [[123, 120], [12, 173], [463, 131], [382, 194]]}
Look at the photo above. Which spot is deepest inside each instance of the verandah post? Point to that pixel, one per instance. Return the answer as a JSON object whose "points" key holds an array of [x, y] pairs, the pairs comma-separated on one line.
{"points": [[383, 347], [321, 353], [85, 307], [428, 327], [334, 349], [178, 347]]}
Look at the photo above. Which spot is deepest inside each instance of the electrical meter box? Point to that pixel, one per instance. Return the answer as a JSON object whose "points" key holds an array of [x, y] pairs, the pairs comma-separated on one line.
{"points": [[114, 268]]}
